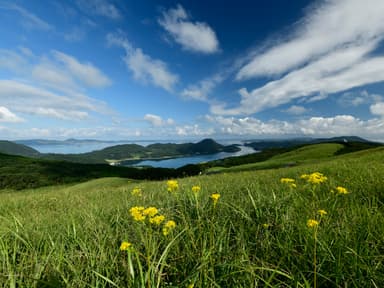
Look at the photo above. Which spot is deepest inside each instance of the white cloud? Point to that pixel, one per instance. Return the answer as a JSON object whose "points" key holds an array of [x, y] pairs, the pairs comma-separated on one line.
{"points": [[337, 71], [331, 25], [192, 36], [377, 109], [51, 85], [8, 116], [157, 121], [201, 90], [29, 20], [313, 127], [100, 7], [296, 110], [330, 51], [355, 99], [29, 99], [144, 67]]}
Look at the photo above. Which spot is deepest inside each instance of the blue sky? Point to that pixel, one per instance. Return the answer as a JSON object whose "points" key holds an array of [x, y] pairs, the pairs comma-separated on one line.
{"points": [[128, 69]]}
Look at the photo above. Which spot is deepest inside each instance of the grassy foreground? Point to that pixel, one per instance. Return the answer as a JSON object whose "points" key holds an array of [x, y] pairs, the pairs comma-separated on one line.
{"points": [[254, 234]]}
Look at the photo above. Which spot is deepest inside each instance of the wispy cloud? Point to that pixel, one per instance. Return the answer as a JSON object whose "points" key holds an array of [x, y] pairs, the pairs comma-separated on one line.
{"points": [[100, 7], [29, 20], [85, 72], [377, 109], [51, 86], [143, 66], [330, 52], [192, 36]]}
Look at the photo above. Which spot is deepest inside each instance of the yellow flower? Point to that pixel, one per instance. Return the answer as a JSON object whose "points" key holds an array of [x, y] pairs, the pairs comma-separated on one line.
{"points": [[196, 189], [312, 223], [314, 178], [322, 212], [168, 227], [266, 225], [137, 213], [125, 246], [172, 185], [136, 191], [157, 220], [150, 211], [289, 181], [341, 190], [215, 197]]}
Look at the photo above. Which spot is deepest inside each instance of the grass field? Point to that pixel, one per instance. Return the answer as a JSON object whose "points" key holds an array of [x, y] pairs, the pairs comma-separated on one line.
{"points": [[253, 233]]}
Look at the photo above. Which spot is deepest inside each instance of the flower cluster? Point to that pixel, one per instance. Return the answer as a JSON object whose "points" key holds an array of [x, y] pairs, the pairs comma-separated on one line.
{"points": [[172, 185], [312, 223], [314, 178], [140, 213]]}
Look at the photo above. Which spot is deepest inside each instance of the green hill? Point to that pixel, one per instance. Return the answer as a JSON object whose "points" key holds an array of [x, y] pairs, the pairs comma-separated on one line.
{"points": [[8, 147]]}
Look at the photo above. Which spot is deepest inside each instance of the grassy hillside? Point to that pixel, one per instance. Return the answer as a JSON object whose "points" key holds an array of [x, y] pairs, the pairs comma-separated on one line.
{"points": [[8, 147], [18, 172], [256, 235]]}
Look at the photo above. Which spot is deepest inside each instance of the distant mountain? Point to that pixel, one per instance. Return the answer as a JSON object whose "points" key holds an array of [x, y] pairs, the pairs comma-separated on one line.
{"points": [[286, 143], [34, 142], [11, 148]]}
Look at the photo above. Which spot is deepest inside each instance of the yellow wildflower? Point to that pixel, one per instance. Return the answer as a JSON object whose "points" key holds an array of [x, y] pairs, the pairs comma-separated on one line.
{"points": [[341, 190], [322, 212], [266, 225], [137, 213], [136, 191], [150, 211], [125, 246], [215, 197], [311, 223], [172, 185], [157, 220], [168, 227], [314, 178], [196, 189]]}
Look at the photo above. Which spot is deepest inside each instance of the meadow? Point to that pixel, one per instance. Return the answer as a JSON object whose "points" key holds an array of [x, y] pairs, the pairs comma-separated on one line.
{"points": [[317, 224]]}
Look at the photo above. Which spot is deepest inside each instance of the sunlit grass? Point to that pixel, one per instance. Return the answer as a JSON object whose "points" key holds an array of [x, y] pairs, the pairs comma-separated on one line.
{"points": [[244, 229]]}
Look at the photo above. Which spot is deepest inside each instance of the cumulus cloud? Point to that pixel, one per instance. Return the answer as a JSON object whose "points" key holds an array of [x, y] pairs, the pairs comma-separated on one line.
{"points": [[330, 52], [157, 121], [312, 127], [192, 36], [144, 67], [100, 7], [8, 116]]}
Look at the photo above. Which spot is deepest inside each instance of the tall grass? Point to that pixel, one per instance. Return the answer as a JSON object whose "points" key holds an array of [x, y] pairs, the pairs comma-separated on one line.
{"points": [[255, 236]]}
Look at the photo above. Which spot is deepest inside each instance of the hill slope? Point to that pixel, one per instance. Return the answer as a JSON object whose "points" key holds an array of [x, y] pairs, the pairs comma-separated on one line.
{"points": [[8, 147]]}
